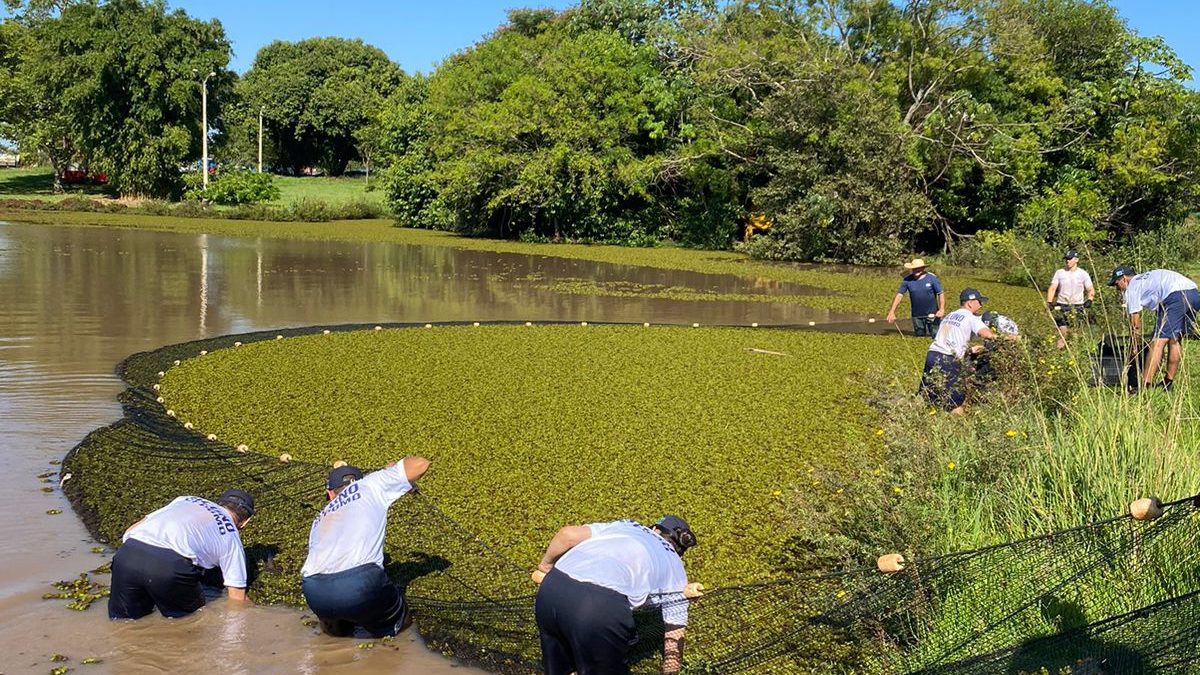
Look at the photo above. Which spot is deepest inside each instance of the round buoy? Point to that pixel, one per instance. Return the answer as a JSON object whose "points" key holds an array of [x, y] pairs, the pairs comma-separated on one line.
{"points": [[582, 323], [476, 324], [528, 323], [1146, 508], [890, 563], [212, 437], [693, 590], [812, 323], [187, 425], [695, 325], [429, 325], [285, 458], [170, 413], [176, 361], [754, 325], [325, 332], [278, 337], [203, 352], [160, 374], [243, 448], [158, 387], [339, 464], [646, 325], [870, 320], [159, 399], [237, 344], [378, 327]]}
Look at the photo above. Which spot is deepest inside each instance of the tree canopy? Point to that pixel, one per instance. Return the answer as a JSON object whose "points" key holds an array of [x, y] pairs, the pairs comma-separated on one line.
{"points": [[318, 96], [859, 128]]}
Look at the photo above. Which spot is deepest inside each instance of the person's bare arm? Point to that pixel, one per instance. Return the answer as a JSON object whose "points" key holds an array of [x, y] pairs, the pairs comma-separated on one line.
{"points": [[1135, 335], [1050, 292], [891, 315], [564, 540], [941, 310], [987, 334], [673, 649]]}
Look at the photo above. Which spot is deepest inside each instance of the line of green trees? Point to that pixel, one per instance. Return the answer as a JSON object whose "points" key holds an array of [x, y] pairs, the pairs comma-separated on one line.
{"points": [[859, 129], [116, 87]]}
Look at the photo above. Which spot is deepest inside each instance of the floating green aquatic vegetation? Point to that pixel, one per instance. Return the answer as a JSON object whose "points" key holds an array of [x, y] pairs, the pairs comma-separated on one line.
{"points": [[47, 490], [61, 670], [53, 512], [82, 592], [98, 549], [91, 660], [57, 658]]}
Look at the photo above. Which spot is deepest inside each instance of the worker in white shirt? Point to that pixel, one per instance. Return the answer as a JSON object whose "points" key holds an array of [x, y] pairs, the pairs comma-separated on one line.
{"points": [[591, 579], [164, 555], [941, 380], [1070, 295], [1175, 301], [343, 579]]}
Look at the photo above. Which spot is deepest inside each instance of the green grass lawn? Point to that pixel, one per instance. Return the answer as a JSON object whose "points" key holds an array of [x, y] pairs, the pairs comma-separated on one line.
{"points": [[38, 183], [331, 190]]}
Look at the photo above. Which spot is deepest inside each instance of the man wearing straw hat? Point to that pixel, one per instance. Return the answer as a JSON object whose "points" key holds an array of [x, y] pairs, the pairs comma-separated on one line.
{"points": [[925, 293]]}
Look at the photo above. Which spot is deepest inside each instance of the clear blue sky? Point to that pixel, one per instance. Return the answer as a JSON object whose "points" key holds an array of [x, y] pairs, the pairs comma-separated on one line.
{"points": [[418, 34]]}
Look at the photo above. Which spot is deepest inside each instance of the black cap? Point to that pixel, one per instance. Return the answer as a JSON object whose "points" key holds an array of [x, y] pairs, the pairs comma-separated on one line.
{"points": [[676, 529], [238, 497], [343, 475], [971, 294], [1071, 255], [988, 317], [1120, 271]]}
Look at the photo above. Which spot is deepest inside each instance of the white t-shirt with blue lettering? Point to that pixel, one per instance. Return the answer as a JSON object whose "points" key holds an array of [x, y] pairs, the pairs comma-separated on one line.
{"points": [[1148, 289], [349, 531], [200, 531], [633, 560], [954, 335]]}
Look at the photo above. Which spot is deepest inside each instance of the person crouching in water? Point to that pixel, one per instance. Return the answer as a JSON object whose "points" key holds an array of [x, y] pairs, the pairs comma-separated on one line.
{"points": [[343, 579], [941, 381], [164, 555], [592, 578]]}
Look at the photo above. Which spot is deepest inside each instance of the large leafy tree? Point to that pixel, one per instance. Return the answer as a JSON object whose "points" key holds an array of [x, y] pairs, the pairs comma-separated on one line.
{"points": [[118, 86], [318, 96]]}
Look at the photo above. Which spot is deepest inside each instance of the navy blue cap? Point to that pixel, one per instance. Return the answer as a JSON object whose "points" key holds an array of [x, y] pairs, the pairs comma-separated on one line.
{"points": [[343, 475], [238, 497], [1120, 271], [677, 531], [971, 294], [1071, 255]]}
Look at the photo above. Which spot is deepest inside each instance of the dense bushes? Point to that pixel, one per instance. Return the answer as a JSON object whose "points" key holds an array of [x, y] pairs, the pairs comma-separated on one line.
{"points": [[232, 188], [854, 128]]}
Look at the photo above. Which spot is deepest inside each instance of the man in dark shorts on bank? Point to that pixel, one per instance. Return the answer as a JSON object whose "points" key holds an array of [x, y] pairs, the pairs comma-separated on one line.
{"points": [[344, 582], [941, 380], [928, 300], [164, 555], [591, 579], [1175, 301]]}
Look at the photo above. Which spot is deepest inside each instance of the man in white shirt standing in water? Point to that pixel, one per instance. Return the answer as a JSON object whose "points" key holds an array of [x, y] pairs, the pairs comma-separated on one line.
{"points": [[1070, 294], [941, 381], [1175, 299], [592, 578], [163, 556], [343, 578]]}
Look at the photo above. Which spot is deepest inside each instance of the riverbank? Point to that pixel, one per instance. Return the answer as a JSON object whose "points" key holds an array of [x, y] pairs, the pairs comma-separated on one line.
{"points": [[868, 290]]}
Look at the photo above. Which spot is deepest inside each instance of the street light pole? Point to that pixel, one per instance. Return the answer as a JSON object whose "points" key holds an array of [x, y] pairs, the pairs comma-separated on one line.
{"points": [[260, 130], [204, 126]]}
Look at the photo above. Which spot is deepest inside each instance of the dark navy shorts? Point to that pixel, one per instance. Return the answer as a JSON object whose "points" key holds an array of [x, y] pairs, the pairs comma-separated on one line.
{"points": [[1177, 314], [360, 596], [145, 578], [941, 381], [1068, 315], [584, 628]]}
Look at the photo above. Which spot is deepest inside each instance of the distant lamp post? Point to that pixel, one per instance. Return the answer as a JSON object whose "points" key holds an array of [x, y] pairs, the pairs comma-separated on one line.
{"points": [[204, 125], [260, 130]]}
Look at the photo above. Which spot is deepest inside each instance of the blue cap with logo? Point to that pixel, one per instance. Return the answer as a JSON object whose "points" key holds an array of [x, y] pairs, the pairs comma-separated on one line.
{"points": [[971, 294], [1071, 255], [1118, 272]]}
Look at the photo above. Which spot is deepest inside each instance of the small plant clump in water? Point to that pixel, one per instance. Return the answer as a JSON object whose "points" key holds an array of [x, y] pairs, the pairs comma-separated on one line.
{"points": [[92, 659], [53, 512], [61, 670], [82, 592]]}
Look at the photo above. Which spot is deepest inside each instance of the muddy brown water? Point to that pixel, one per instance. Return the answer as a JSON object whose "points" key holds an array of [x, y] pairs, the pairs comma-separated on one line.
{"points": [[74, 301]]}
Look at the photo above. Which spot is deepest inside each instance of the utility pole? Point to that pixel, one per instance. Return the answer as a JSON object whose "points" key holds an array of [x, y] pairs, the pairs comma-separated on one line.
{"points": [[260, 129], [204, 127]]}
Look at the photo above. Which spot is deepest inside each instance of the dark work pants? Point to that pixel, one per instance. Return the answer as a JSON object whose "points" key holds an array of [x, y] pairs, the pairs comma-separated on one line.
{"points": [[360, 596], [584, 628], [146, 577]]}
